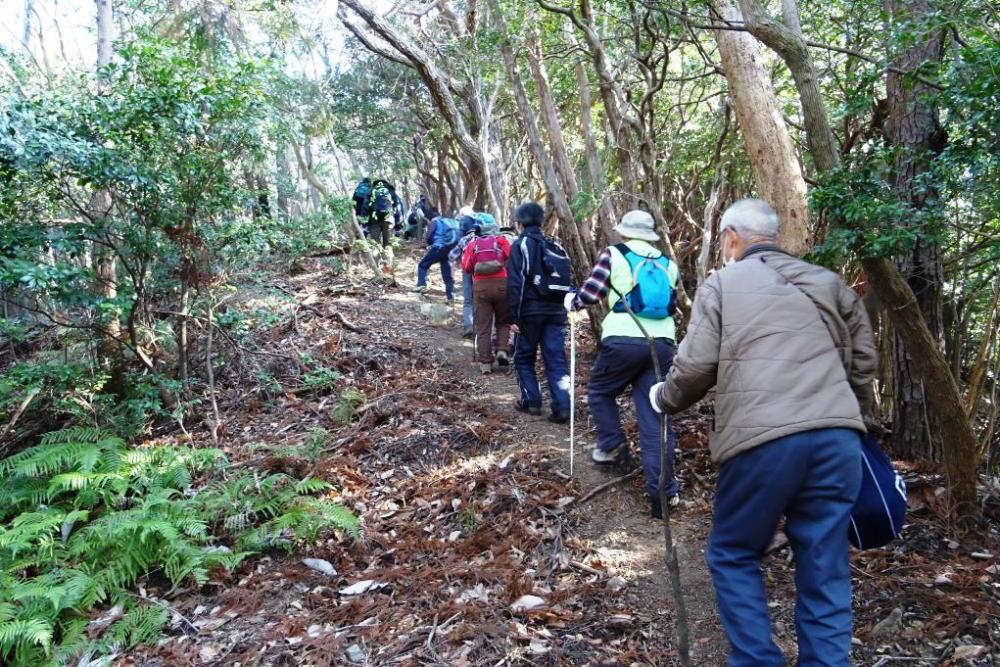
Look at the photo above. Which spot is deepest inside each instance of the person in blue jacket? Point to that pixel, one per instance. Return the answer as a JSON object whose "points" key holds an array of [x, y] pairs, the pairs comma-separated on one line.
{"points": [[539, 323], [442, 235]]}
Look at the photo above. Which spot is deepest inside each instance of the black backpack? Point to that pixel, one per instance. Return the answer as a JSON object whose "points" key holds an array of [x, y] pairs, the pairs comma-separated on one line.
{"points": [[550, 272]]}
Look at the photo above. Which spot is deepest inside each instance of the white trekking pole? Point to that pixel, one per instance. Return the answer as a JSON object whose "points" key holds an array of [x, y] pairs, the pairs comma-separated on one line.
{"points": [[572, 389]]}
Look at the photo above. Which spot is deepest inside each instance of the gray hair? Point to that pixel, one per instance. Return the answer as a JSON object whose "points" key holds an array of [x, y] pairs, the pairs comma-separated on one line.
{"points": [[751, 219]]}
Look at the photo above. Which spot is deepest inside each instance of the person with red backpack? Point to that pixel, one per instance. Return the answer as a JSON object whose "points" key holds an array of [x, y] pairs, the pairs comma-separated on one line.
{"points": [[485, 259]]}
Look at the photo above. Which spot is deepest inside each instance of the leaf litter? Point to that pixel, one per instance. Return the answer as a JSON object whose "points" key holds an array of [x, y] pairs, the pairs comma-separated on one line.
{"points": [[471, 551]]}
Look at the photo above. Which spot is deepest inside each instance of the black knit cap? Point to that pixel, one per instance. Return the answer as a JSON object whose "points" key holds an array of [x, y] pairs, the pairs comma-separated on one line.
{"points": [[529, 215]]}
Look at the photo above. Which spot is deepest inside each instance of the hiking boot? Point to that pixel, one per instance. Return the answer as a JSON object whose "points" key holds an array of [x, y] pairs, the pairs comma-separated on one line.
{"points": [[419, 289], [485, 369], [559, 417], [656, 509], [469, 335], [503, 359], [521, 406], [451, 301], [611, 457]]}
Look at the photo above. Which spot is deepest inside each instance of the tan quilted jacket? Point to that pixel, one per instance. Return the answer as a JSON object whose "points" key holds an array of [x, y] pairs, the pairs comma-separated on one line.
{"points": [[767, 345]]}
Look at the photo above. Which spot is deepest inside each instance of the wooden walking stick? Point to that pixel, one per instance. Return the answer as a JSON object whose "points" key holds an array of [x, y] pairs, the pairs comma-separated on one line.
{"points": [[673, 566]]}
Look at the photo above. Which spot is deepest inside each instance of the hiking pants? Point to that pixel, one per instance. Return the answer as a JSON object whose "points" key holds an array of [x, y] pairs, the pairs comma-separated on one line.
{"points": [[621, 362], [437, 255], [490, 304], [813, 479], [468, 298], [549, 333], [379, 230]]}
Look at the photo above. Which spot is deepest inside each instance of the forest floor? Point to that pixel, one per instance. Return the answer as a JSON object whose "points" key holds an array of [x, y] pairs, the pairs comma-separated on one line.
{"points": [[467, 506]]}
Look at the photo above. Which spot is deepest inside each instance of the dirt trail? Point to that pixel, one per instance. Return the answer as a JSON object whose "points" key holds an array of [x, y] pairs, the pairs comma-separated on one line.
{"points": [[465, 507], [615, 522]]}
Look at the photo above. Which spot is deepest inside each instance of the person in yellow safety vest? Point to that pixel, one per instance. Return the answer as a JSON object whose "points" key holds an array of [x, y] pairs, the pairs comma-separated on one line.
{"points": [[637, 273]]}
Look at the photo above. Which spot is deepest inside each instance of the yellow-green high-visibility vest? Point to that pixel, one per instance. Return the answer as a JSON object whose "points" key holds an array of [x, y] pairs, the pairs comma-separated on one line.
{"points": [[622, 324]]}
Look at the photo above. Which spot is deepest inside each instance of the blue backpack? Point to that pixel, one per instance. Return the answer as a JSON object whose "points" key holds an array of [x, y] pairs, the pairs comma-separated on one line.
{"points": [[486, 222], [652, 296], [445, 232], [879, 512], [362, 193]]}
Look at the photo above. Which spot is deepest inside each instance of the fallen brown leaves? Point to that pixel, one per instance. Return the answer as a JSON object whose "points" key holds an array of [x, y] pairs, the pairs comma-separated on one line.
{"points": [[462, 517]]}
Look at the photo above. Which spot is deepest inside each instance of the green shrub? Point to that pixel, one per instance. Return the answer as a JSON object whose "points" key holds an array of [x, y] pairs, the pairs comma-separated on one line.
{"points": [[83, 516]]}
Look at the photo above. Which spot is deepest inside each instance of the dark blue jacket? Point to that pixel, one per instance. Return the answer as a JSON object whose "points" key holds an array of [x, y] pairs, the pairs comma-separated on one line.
{"points": [[523, 298]]}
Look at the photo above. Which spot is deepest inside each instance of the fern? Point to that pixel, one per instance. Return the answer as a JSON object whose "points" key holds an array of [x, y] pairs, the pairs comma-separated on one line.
{"points": [[83, 517]]}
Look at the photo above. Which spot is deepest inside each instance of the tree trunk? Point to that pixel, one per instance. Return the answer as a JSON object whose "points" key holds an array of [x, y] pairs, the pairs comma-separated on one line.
{"points": [[768, 144], [100, 204], [961, 458], [568, 228], [901, 304], [550, 116], [595, 169], [911, 126]]}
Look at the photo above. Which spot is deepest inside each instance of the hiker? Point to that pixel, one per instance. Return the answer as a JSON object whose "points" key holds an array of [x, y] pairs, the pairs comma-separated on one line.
{"points": [[538, 279], [485, 260], [790, 351], [383, 205], [441, 237], [467, 229], [637, 273], [416, 220], [361, 195]]}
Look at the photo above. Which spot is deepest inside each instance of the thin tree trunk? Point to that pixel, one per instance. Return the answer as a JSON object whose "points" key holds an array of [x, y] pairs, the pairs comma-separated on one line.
{"points": [[979, 368], [100, 204], [765, 135], [595, 168]]}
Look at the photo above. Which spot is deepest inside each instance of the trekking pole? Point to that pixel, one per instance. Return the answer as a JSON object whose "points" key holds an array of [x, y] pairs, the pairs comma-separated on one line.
{"points": [[572, 389], [673, 566]]}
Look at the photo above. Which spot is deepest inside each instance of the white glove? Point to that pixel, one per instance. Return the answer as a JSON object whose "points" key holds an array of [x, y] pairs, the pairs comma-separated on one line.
{"points": [[654, 399], [568, 302]]}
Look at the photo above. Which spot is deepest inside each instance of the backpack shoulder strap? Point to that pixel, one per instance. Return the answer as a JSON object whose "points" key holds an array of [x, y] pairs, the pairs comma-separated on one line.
{"points": [[841, 337]]}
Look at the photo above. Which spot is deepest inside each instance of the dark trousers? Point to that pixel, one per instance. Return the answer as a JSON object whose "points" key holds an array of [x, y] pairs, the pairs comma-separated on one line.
{"points": [[467, 299], [622, 362], [437, 255], [812, 479], [547, 332], [490, 305], [379, 230]]}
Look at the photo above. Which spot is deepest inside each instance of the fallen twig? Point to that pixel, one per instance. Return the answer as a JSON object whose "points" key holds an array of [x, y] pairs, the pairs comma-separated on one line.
{"points": [[607, 485], [20, 410], [345, 323]]}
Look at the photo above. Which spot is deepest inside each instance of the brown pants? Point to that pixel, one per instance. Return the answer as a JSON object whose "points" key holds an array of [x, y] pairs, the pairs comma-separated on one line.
{"points": [[489, 302]]}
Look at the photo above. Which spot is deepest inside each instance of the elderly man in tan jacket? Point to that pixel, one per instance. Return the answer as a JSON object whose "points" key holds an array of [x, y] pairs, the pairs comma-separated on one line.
{"points": [[790, 351]]}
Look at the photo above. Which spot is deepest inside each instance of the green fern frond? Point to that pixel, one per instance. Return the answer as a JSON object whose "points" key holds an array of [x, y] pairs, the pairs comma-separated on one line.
{"points": [[311, 485], [18, 633]]}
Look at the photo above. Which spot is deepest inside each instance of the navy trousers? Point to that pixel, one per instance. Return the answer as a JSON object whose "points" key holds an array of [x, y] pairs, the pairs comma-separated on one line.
{"points": [[811, 478], [547, 332], [622, 362], [467, 299], [437, 255]]}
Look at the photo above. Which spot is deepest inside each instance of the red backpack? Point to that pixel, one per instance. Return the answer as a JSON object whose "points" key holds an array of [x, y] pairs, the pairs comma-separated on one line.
{"points": [[487, 256]]}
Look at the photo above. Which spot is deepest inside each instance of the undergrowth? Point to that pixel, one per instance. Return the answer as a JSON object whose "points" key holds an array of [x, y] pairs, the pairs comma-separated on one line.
{"points": [[83, 516]]}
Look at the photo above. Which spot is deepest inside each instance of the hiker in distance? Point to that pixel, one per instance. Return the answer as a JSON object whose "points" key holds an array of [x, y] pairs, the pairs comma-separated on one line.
{"points": [[538, 279], [361, 196], [485, 259], [789, 348], [441, 237], [467, 230], [638, 273], [385, 212]]}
